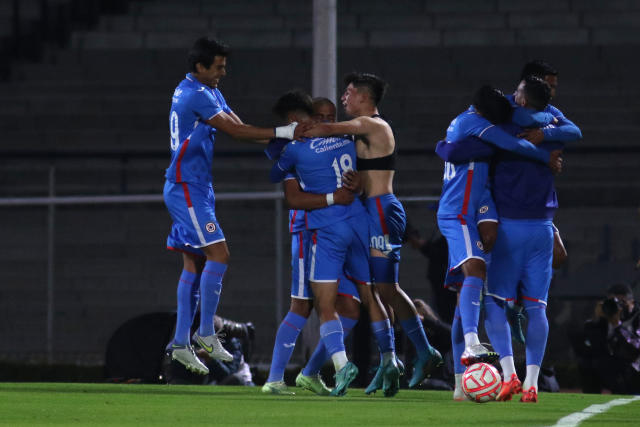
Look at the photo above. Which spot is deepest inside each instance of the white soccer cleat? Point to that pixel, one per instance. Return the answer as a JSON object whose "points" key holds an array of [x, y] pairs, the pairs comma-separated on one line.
{"points": [[211, 344], [186, 356]]}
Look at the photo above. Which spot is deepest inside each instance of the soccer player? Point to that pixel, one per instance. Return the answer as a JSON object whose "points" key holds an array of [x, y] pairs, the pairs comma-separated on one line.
{"points": [[338, 240], [464, 196], [523, 255], [521, 259], [324, 110], [568, 131], [297, 106], [387, 220], [198, 111]]}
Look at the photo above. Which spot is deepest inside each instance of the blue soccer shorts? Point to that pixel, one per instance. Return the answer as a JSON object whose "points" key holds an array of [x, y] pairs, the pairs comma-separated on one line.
{"points": [[192, 209], [521, 260], [300, 288], [463, 242], [387, 223], [341, 246]]}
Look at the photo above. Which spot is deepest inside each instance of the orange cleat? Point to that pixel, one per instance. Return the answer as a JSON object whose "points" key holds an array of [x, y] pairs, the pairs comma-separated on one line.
{"points": [[509, 388], [530, 396]]}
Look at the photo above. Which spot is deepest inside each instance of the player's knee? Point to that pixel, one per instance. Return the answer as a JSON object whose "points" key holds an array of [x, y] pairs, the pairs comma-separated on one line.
{"points": [[474, 267], [301, 307], [348, 307]]}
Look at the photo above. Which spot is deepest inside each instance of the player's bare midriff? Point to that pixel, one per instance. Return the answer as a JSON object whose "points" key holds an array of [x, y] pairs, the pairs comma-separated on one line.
{"points": [[377, 183]]}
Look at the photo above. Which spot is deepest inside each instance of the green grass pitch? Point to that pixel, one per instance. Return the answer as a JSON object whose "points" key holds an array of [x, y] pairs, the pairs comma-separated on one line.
{"points": [[117, 404]]}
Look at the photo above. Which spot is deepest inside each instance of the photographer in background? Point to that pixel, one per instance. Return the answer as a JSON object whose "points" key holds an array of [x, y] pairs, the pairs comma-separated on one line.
{"points": [[610, 349]]}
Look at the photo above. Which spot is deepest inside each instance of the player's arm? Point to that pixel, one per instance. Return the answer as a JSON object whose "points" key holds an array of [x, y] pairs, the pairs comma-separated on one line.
{"points": [[501, 139], [563, 131], [285, 164], [464, 150], [298, 199], [235, 117], [526, 118], [227, 124], [358, 126]]}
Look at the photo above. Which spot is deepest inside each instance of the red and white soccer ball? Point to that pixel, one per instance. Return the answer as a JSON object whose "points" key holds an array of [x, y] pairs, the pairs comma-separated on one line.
{"points": [[481, 382]]}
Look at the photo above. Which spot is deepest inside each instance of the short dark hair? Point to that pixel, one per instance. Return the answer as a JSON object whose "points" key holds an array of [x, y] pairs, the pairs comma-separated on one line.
{"points": [[321, 100], [537, 92], [294, 100], [492, 104], [372, 83], [620, 289], [204, 51], [538, 68]]}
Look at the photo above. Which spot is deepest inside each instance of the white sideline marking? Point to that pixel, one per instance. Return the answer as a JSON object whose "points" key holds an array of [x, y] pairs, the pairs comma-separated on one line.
{"points": [[588, 412]]}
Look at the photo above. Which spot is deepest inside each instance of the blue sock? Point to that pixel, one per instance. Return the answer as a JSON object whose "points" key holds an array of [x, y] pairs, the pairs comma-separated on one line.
{"points": [[184, 318], [210, 288], [497, 326], [384, 335], [332, 336], [537, 331], [285, 343], [195, 297], [414, 330], [320, 356], [457, 342], [470, 303]]}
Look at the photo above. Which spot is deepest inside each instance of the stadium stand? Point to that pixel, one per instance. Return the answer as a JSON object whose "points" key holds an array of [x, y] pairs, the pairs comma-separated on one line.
{"points": [[107, 91]]}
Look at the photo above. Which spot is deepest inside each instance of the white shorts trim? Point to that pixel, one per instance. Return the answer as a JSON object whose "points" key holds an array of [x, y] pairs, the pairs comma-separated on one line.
{"points": [[206, 243], [467, 259]]}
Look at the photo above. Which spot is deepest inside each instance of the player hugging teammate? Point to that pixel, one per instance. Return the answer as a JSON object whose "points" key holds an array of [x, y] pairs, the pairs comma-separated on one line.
{"points": [[508, 215]]}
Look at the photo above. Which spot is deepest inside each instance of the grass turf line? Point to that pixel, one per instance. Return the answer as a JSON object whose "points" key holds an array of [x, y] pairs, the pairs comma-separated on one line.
{"points": [[117, 404]]}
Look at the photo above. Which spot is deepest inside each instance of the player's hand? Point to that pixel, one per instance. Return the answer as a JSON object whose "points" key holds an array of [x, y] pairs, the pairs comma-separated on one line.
{"points": [[309, 130], [343, 196], [555, 161], [534, 136], [488, 231], [351, 181], [301, 129]]}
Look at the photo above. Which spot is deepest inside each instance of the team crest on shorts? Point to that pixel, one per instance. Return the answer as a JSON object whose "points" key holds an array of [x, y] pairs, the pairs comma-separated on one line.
{"points": [[211, 227], [479, 245], [484, 209]]}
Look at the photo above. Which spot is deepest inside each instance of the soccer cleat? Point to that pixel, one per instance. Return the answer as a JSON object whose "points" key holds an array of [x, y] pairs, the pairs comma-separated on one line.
{"points": [[378, 379], [185, 355], [390, 379], [344, 377], [477, 353], [276, 387], [376, 382], [509, 388], [211, 344], [530, 396], [424, 366], [313, 384]]}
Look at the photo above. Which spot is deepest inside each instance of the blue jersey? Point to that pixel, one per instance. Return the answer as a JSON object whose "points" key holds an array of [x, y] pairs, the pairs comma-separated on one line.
{"points": [[523, 189], [191, 137], [464, 183], [319, 164]]}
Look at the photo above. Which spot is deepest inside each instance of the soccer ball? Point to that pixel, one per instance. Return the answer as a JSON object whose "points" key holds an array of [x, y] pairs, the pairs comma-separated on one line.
{"points": [[481, 382]]}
